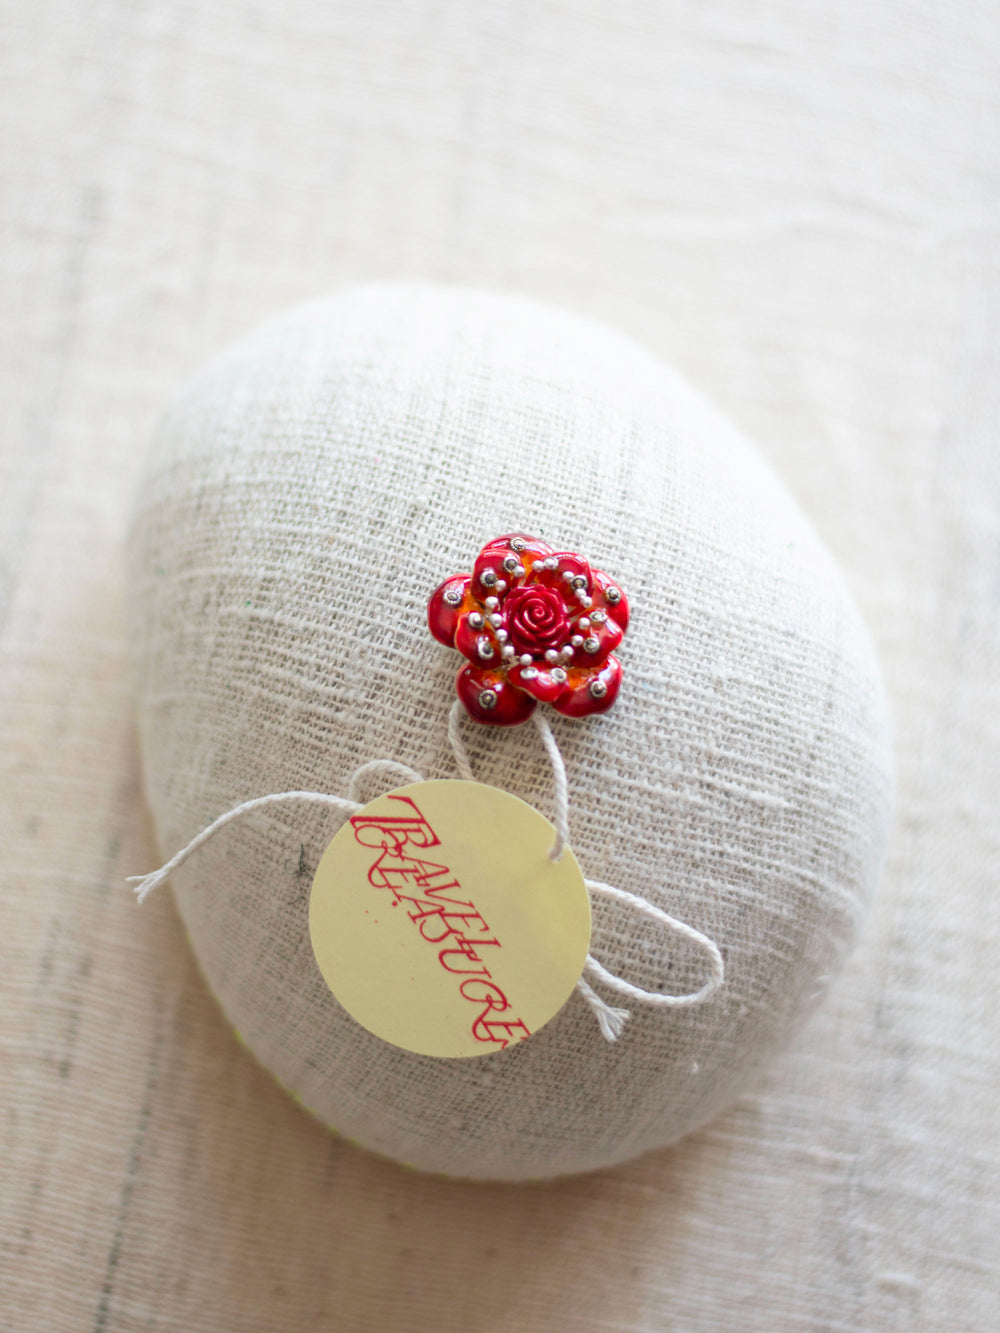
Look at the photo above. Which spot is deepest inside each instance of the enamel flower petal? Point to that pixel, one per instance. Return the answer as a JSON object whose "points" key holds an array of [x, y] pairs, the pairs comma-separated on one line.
{"points": [[536, 625]]}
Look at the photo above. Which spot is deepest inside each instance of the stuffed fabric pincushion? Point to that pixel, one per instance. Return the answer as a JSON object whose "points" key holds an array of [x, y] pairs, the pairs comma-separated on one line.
{"points": [[303, 498]]}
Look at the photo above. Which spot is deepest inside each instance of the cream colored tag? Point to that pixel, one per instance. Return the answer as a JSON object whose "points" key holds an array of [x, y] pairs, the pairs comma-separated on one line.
{"points": [[439, 922]]}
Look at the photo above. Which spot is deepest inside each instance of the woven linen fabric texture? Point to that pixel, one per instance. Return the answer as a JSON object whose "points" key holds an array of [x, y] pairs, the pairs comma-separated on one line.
{"points": [[303, 499], [795, 202]]}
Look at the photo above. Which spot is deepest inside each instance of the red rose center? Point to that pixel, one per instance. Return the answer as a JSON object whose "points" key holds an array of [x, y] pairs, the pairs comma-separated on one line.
{"points": [[536, 619]]}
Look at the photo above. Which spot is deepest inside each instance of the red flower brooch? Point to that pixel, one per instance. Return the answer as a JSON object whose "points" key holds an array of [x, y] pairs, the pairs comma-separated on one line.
{"points": [[537, 625]]}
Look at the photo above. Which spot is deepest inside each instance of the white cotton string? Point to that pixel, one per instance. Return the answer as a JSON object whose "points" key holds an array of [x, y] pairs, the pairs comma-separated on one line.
{"points": [[555, 758], [380, 768], [656, 998], [457, 744], [610, 1020], [561, 787], [143, 885]]}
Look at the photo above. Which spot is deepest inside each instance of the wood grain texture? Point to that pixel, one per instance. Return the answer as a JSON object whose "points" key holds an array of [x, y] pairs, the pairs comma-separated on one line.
{"points": [[795, 202]]}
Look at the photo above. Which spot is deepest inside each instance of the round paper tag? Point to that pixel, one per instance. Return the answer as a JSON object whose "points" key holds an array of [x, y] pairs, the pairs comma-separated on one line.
{"points": [[440, 923]]}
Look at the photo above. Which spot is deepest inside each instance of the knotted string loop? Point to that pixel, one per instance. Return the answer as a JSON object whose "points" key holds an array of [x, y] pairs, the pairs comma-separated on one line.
{"points": [[611, 1020]]}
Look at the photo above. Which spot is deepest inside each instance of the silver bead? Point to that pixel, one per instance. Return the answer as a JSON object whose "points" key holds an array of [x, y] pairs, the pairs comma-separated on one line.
{"points": [[487, 698], [558, 675], [517, 543], [452, 596], [488, 577], [598, 688], [613, 595], [476, 619], [510, 563], [599, 617], [591, 644], [485, 649], [578, 581], [529, 673]]}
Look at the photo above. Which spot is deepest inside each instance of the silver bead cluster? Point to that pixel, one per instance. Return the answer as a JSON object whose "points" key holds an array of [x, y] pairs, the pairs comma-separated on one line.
{"points": [[490, 579]]}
